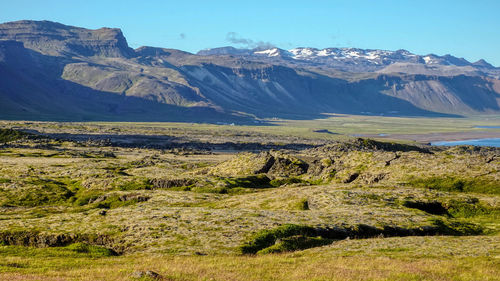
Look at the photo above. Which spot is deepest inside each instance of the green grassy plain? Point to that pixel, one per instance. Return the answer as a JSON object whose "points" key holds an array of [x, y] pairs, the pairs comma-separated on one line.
{"points": [[340, 125]]}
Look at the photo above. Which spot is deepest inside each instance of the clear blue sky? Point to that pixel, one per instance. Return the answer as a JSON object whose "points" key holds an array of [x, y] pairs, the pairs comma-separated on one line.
{"points": [[464, 28]]}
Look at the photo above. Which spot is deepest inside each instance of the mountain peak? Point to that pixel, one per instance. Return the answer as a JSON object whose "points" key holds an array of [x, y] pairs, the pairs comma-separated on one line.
{"points": [[483, 63]]}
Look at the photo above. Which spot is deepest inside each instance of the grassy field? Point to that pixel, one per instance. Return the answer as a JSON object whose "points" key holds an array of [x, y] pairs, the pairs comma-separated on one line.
{"points": [[339, 126], [422, 258], [113, 201]]}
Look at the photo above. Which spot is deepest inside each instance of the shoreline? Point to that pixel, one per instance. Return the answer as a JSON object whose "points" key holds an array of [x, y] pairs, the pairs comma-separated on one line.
{"points": [[475, 142]]}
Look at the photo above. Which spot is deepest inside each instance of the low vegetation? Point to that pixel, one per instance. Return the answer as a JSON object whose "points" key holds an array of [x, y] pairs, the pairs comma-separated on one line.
{"points": [[291, 237], [92, 209], [7, 135], [457, 184]]}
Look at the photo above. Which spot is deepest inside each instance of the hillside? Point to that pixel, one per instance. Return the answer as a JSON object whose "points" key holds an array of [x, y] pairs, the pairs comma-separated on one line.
{"points": [[50, 71]]}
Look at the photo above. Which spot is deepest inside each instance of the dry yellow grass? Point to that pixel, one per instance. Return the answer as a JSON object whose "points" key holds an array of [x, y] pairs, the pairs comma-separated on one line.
{"points": [[385, 261]]}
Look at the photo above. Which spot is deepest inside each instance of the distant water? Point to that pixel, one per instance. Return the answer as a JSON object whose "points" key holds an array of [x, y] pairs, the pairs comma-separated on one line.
{"points": [[487, 127], [477, 142]]}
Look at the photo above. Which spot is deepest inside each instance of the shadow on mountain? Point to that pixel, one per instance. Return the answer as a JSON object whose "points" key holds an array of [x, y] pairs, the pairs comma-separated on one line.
{"points": [[478, 98], [274, 91], [31, 88]]}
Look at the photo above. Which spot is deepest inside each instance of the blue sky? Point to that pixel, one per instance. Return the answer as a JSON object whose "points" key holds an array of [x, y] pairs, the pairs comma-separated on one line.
{"points": [[464, 28]]}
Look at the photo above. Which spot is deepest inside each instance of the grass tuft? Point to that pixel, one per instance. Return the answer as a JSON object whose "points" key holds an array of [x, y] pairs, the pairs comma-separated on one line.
{"points": [[303, 204]]}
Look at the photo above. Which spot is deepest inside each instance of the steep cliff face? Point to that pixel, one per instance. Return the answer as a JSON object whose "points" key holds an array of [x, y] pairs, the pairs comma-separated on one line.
{"points": [[52, 71], [455, 95], [56, 39]]}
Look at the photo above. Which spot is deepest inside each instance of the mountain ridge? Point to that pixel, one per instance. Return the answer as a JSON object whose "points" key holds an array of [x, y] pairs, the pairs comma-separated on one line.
{"points": [[375, 56], [51, 70]]}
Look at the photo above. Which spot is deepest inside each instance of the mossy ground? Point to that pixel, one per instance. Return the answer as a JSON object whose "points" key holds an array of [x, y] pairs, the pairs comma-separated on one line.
{"points": [[66, 187]]}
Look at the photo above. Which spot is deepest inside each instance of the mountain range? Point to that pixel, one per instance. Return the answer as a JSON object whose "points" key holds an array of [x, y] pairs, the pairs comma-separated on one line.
{"points": [[51, 71]]}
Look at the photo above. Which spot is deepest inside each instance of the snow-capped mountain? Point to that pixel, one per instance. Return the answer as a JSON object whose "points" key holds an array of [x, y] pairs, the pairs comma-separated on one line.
{"points": [[352, 59], [349, 53]]}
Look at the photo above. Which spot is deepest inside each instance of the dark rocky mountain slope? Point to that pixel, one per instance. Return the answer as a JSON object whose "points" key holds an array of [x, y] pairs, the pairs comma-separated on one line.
{"points": [[50, 71]]}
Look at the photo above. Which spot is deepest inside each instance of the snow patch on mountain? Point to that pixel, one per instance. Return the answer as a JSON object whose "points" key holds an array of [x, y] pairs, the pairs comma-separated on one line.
{"points": [[430, 60], [346, 53], [270, 52], [349, 59]]}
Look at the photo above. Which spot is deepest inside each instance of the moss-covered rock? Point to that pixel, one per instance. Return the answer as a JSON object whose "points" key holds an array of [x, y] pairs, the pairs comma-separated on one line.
{"points": [[274, 164]]}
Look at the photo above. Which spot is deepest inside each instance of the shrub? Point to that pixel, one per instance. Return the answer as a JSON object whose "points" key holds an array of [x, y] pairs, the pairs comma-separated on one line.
{"points": [[7, 135], [294, 243], [466, 209], [457, 184], [433, 207], [456, 227], [453, 208], [267, 238], [45, 192]]}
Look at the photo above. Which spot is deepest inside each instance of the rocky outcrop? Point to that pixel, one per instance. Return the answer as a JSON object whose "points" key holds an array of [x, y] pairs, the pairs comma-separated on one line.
{"points": [[169, 183], [43, 240]]}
